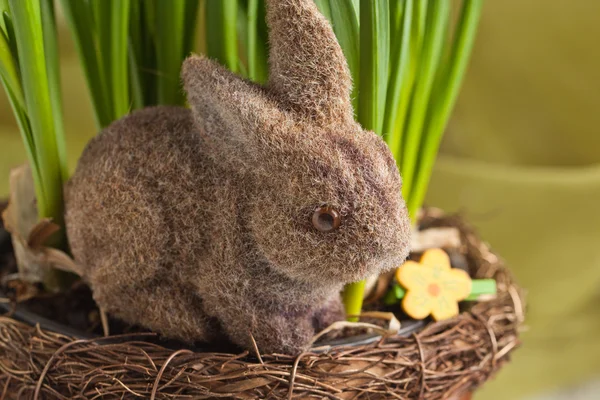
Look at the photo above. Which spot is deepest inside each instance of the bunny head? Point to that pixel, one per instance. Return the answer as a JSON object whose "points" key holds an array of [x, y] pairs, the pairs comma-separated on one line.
{"points": [[323, 195]]}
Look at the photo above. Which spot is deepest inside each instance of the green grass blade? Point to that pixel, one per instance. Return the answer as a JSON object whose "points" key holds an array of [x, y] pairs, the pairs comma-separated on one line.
{"points": [[3, 8], [9, 77], [119, 68], [262, 58], [374, 63], [80, 19], [28, 28], [102, 11], [446, 97], [252, 38], [170, 29], [9, 30], [142, 54], [243, 32], [399, 72], [420, 22], [26, 134], [192, 8], [148, 60], [112, 33], [9, 71], [24, 130], [397, 131], [345, 25], [253, 53], [53, 71], [433, 42], [221, 32], [356, 4], [135, 79], [133, 54]]}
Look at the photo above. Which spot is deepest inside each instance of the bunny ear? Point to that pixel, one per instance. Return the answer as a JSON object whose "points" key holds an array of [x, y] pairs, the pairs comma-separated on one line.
{"points": [[309, 73], [226, 106]]}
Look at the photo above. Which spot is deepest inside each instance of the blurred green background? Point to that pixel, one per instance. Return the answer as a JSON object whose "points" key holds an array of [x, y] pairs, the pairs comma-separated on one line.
{"points": [[521, 160]]}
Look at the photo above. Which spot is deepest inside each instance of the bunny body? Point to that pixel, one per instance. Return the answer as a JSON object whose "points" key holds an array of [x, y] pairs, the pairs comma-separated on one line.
{"points": [[198, 223], [175, 227]]}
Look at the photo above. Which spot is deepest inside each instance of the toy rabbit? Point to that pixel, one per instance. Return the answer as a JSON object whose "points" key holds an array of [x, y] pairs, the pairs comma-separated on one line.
{"points": [[245, 216]]}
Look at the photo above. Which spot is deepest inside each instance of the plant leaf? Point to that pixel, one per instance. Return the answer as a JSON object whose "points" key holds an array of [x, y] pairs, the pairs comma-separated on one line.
{"points": [[221, 32], [252, 37], [190, 26], [433, 41], [170, 28], [374, 63], [3, 9], [102, 12], [137, 91], [53, 65], [80, 19], [345, 25], [9, 78], [243, 32], [142, 49], [9, 31], [28, 29], [402, 16], [446, 94], [119, 69]]}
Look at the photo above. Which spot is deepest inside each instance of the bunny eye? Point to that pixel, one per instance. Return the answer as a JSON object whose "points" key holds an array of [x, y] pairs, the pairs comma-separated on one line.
{"points": [[326, 219]]}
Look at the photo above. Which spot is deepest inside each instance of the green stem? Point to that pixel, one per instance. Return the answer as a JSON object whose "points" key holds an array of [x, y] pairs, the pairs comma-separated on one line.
{"points": [[417, 33], [190, 27], [352, 297], [29, 72], [221, 32], [9, 77], [374, 64], [53, 69], [252, 34], [119, 67], [142, 54], [135, 78], [447, 93], [80, 19], [27, 20], [399, 76], [171, 20], [432, 50], [345, 25]]}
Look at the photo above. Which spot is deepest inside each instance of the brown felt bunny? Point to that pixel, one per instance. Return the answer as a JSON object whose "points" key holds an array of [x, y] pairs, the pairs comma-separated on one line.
{"points": [[245, 216]]}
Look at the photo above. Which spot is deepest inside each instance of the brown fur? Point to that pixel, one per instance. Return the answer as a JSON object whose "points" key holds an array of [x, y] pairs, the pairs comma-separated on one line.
{"points": [[197, 223]]}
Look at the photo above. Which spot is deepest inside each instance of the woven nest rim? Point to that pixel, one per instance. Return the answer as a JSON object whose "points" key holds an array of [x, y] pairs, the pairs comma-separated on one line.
{"points": [[443, 359]]}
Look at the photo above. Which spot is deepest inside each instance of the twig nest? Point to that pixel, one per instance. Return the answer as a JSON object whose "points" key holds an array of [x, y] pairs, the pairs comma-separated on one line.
{"points": [[443, 359]]}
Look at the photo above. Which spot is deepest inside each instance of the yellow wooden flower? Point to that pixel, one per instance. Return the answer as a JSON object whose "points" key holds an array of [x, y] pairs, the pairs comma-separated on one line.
{"points": [[433, 287]]}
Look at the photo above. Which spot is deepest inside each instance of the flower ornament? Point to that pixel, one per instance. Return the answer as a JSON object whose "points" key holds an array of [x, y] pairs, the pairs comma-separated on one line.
{"points": [[433, 286]]}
